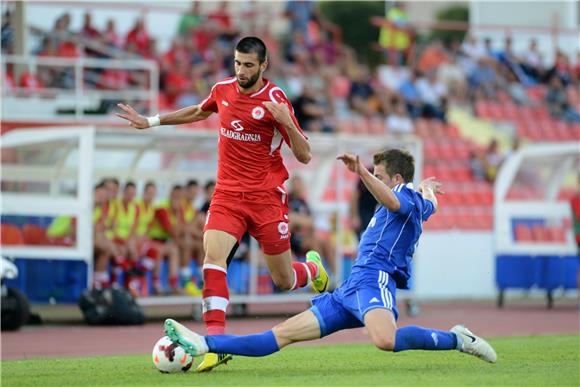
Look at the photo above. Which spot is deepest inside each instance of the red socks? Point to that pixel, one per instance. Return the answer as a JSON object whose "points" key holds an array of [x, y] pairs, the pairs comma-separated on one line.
{"points": [[216, 297], [303, 272]]}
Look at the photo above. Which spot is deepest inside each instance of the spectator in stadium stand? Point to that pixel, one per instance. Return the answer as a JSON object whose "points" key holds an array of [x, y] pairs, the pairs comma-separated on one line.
{"points": [[297, 50], [471, 48], [362, 207], [178, 82], [209, 189], [397, 35], [154, 251], [30, 80], [146, 207], [492, 159], [190, 20], [309, 112], [248, 196], [515, 89], [362, 97], [561, 68], [168, 229], [432, 57], [533, 61], [559, 104], [8, 82], [476, 165], [509, 59], [326, 51], [433, 95], [61, 31], [483, 81], [410, 93], [178, 51], [300, 13], [398, 120], [488, 49], [7, 33], [138, 36], [105, 250], [452, 74], [189, 214], [221, 17], [90, 34], [125, 224], [111, 37]]}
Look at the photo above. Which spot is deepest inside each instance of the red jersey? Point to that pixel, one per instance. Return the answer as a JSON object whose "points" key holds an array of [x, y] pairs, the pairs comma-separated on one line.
{"points": [[250, 138]]}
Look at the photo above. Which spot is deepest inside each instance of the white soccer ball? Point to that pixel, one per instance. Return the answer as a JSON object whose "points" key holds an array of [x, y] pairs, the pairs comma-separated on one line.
{"points": [[169, 357]]}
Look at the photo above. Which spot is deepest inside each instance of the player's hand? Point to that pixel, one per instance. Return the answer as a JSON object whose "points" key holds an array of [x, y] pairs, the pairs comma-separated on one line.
{"points": [[352, 162], [280, 112], [135, 119], [432, 184]]}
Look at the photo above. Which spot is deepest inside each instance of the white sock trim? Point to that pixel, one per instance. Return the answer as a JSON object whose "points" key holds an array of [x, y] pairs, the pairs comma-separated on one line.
{"points": [[295, 280], [214, 267], [215, 303], [308, 273]]}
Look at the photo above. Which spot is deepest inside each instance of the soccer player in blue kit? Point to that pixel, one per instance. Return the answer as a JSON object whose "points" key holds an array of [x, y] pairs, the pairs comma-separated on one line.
{"points": [[368, 297]]}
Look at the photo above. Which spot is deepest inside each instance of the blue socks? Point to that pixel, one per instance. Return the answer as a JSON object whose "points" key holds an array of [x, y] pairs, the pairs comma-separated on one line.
{"points": [[414, 337], [260, 344]]}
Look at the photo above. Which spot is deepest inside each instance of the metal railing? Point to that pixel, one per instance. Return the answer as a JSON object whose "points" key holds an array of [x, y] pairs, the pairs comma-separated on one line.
{"points": [[83, 71]]}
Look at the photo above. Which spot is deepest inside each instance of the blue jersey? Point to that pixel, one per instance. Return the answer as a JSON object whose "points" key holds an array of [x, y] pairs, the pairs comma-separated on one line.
{"points": [[390, 239]]}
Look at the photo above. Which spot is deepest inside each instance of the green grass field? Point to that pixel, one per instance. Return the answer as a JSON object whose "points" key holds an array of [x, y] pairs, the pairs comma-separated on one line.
{"points": [[522, 361]]}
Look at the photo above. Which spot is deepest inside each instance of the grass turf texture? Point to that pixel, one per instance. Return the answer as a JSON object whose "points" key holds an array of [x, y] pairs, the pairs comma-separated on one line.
{"points": [[522, 361]]}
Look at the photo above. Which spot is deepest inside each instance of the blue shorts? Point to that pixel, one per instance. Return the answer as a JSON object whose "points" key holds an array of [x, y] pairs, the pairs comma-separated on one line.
{"points": [[346, 307]]}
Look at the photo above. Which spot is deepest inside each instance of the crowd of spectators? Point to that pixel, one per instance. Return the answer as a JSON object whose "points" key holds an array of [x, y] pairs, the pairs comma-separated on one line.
{"points": [[133, 235], [320, 74]]}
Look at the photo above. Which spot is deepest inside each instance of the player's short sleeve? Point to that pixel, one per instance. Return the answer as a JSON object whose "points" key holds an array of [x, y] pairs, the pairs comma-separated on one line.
{"points": [[278, 96], [428, 209], [406, 200], [209, 104]]}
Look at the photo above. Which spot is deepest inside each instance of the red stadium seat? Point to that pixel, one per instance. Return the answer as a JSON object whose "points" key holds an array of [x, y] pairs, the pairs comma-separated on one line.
{"points": [[539, 233], [523, 233], [34, 235], [10, 235]]}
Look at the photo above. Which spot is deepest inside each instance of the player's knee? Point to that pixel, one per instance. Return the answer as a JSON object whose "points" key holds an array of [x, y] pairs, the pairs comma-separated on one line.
{"points": [[214, 259], [384, 343], [284, 283]]}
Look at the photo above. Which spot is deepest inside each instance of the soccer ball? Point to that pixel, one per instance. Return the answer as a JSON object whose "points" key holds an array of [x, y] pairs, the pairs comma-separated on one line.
{"points": [[169, 357]]}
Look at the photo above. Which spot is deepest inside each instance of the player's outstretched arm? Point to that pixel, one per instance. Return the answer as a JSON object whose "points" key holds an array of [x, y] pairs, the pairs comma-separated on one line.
{"points": [[181, 116], [376, 187], [298, 143], [429, 188]]}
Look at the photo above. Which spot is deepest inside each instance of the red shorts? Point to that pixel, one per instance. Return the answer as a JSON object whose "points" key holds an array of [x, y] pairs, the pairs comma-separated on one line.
{"points": [[263, 214]]}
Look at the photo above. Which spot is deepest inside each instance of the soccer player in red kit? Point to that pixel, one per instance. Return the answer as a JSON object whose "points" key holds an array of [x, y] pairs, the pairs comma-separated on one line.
{"points": [[256, 118]]}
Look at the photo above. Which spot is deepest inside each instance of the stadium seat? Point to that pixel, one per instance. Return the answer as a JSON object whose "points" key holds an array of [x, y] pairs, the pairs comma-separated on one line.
{"points": [[11, 235], [34, 235], [540, 233], [523, 233]]}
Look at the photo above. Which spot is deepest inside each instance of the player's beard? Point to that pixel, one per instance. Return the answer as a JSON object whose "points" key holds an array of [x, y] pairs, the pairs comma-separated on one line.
{"points": [[250, 82]]}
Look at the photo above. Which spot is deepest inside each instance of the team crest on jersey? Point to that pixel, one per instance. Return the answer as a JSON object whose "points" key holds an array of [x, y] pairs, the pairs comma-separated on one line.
{"points": [[283, 228], [258, 112]]}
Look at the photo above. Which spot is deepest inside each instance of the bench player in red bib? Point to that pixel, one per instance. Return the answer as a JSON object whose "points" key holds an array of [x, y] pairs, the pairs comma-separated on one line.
{"points": [[256, 119]]}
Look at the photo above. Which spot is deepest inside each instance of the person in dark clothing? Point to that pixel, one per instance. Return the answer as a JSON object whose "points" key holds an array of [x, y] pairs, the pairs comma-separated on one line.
{"points": [[362, 208]]}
